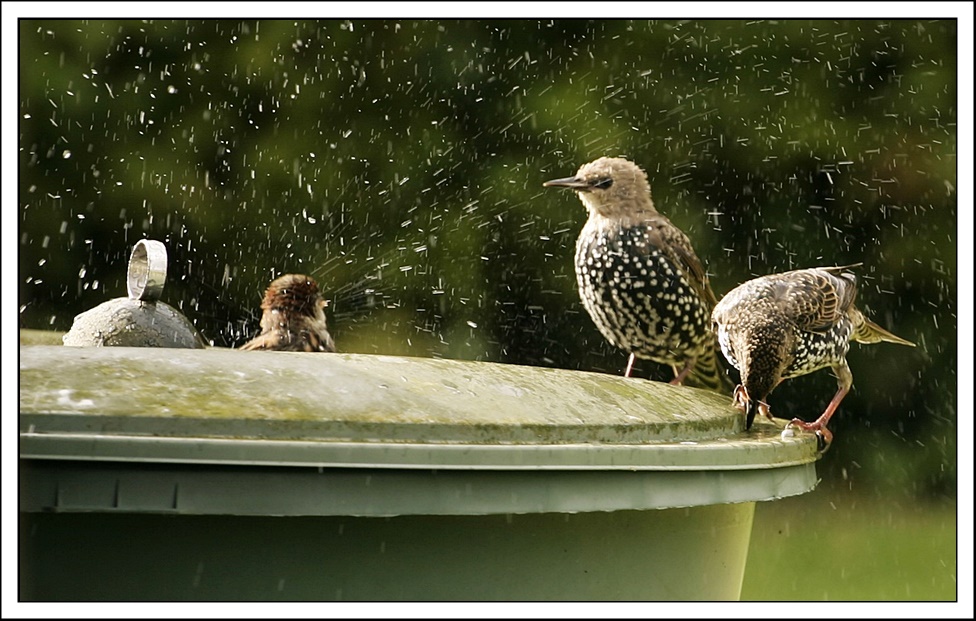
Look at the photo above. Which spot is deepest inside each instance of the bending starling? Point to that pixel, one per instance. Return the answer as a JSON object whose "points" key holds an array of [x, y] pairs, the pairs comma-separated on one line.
{"points": [[639, 277], [293, 317], [785, 325]]}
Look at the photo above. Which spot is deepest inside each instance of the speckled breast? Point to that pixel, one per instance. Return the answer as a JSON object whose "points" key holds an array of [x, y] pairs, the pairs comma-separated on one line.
{"points": [[639, 301], [816, 350]]}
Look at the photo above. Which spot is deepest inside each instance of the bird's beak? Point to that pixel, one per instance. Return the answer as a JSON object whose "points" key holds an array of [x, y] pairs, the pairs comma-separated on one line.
{"points": [[752, 407], [573, 183], [741, 400]]}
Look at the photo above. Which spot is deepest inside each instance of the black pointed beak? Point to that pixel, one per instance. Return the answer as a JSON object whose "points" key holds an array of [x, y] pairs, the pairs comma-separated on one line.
{"points": [[751, 409], [573, 183]]}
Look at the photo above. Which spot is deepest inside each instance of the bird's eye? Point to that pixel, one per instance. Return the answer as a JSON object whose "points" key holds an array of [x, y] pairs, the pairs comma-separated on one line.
{"points": [[603, 184]]}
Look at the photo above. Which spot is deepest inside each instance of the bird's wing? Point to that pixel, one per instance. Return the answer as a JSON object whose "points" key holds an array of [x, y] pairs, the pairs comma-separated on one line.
{"points": [[816, 299], [266, 340], [667, 236]]}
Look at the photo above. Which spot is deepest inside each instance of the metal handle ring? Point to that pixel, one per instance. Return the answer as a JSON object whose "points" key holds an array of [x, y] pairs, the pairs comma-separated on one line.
{"points": [[147, 270]]}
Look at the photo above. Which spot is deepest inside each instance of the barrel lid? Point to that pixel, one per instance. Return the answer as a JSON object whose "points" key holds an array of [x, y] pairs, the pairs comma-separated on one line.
{"points": [[352, 410]]}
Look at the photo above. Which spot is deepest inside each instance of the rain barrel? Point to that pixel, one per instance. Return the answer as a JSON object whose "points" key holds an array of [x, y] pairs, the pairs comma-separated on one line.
{"points": [[179, 474]]}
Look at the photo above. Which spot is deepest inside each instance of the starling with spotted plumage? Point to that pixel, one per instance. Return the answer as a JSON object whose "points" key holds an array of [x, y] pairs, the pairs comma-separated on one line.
{"points": [[784, 325], [639, 277], [293, 317]]}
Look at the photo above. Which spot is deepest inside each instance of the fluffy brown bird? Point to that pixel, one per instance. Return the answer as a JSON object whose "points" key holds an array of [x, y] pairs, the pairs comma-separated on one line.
{"points": [[639, 277], [293, 317], [784, 325]]}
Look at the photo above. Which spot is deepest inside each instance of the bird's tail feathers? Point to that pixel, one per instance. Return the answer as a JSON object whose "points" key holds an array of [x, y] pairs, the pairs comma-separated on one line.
{"points": [[710, 373], [869, 332]]}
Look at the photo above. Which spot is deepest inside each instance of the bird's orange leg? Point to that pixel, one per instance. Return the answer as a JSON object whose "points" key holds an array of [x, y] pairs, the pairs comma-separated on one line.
{"points": [[844, 382], [681, 375], [630, 365]]}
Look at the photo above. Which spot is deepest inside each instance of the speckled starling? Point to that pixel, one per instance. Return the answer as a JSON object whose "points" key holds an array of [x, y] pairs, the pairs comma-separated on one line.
{"points": [[293, 317], [639, 277], [784, 325]]}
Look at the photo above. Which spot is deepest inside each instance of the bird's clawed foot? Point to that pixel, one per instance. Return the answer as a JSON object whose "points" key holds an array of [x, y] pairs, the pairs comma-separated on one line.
{"points": [[740, 398], [824, 437]]}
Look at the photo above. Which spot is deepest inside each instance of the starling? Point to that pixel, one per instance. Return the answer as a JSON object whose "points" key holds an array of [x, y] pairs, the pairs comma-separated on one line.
{"points": [[639, 278], [785, 325], [293, 317]]}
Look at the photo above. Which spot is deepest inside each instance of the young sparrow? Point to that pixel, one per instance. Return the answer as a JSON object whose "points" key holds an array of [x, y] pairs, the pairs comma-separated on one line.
{"points": [[293, 317]]}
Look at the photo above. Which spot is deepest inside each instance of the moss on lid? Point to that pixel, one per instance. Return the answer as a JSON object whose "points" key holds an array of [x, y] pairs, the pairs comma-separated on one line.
{"points": [[327, 401]]}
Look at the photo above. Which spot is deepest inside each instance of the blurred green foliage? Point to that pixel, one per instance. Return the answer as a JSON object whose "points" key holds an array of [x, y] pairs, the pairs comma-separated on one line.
{"points": [[817, 548], [400, 163]]}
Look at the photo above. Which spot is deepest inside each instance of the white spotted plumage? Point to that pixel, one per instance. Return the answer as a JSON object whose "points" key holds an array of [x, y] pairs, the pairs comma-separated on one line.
{"points": [[638, 276], [785, 325]]}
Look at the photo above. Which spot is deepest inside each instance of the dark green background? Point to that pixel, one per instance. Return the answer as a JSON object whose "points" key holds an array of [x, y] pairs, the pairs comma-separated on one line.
{"points": [[401, 162]]}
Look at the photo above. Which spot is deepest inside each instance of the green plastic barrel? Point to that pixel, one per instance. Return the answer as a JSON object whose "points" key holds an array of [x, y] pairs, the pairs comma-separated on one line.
{"points": [[152, 474]]}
